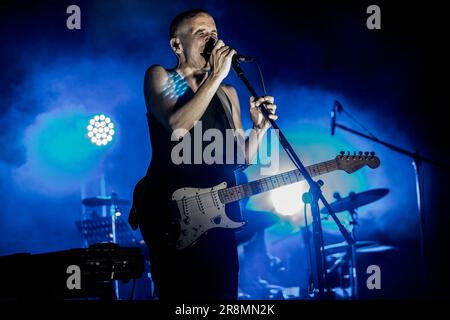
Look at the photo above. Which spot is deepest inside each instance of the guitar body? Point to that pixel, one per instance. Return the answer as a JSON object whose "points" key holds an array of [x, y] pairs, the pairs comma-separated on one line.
{"points": [[200, 210], [195, 211]]}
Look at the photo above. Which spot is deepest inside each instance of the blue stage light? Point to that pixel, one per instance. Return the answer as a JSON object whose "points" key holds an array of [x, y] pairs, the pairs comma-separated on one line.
{"points": [[287, 200], [175, 87], [100, 130]]}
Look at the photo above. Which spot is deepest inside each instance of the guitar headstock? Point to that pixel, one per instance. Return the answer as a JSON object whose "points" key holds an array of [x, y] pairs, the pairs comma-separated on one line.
{"points": [[353, 162]]}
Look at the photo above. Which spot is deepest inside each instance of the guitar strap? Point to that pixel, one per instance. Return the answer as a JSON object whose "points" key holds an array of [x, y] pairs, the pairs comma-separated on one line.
{"points": [[226, 103]]}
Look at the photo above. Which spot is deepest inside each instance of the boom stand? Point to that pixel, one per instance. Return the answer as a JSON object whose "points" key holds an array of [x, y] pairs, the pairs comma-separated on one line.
{"points": [[417, 160], [314, 188]]}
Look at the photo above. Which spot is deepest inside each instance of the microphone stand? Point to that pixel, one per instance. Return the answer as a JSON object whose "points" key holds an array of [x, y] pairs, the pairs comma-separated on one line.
{"points": [[417, 160], [315, 192]]}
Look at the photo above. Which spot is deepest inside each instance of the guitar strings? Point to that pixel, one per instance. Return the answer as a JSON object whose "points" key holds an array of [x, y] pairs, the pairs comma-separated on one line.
{"points": [[327, 165]]}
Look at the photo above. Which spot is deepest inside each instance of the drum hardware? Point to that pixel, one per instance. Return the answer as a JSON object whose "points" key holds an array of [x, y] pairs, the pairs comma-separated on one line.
{"points": [[355, 200], [343, 285], [343, 246], [106, 229], [99, 201], [111, 228], [351, 203]]}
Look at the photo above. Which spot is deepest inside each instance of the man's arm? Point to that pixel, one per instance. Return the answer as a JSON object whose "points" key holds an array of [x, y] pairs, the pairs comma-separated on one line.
{"points": [[162, 106], [253, 141]]}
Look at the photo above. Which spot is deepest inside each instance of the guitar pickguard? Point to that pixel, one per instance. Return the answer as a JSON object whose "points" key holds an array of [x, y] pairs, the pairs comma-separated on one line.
{"points": [[200, 210]]}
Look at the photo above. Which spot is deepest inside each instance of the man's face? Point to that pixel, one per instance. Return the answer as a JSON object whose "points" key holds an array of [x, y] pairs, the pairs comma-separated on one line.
{"points": [[194, 34]]}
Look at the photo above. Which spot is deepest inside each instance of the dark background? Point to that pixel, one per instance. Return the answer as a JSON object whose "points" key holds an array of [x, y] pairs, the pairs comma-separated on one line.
{"points": [[398, 73]]}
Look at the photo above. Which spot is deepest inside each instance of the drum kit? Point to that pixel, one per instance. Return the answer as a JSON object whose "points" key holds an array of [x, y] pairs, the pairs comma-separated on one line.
{"points": [[341, 262], [266, 280], [106, 227], [110, 226]]}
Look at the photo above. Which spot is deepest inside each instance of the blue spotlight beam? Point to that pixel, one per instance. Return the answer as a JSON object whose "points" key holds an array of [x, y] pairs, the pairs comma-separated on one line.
{"points": [[321, 274]]}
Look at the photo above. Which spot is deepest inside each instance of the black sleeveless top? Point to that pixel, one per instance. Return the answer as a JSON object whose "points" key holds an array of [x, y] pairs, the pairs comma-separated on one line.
{"points": [[164, 176]]}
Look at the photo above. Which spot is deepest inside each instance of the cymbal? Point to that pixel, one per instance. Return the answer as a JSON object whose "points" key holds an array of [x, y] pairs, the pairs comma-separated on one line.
{"points": [[356, 200], [380, 248], [343, 246], [104, 201], [366, 249]]}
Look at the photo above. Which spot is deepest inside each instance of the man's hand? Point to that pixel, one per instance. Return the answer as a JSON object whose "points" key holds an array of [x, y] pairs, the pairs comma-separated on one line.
{"points": [[220, 60], [259, 121]]}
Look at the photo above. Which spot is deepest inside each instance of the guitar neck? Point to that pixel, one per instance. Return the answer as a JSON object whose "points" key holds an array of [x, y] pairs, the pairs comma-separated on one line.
{"points": [[242, 191]]}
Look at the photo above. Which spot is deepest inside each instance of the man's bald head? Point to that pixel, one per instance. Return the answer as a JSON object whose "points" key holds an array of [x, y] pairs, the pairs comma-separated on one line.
{"points": [[180, 20]]}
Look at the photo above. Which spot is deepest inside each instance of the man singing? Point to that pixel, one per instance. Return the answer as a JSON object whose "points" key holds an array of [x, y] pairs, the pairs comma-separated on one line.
{"points": [[192, 94]]}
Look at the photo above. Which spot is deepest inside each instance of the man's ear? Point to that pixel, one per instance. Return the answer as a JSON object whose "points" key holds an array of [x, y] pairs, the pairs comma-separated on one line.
{"points": [[176, 46]]}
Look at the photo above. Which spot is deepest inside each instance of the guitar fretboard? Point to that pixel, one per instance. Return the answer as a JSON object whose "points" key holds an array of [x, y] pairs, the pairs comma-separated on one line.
{"points": [[242, 191]]}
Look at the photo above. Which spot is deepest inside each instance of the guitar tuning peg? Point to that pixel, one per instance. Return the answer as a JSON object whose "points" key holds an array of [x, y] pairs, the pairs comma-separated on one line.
{"points": [[366, 153], [360, 153], [342, 153], [372, 153], [348, 153]]}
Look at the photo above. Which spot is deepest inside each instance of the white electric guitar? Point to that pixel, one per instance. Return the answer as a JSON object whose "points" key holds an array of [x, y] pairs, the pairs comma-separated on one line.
{"points": [[202, 209]]}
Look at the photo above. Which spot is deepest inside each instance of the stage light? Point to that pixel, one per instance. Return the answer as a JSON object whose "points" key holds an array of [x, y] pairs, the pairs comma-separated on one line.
{"points": [[287, 200], [100, 130], [175, 87]]}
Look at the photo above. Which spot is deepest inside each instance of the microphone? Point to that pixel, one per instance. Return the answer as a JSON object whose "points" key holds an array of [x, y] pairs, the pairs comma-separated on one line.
{"points": [[237, 58], [336, 107], [333, 118]]}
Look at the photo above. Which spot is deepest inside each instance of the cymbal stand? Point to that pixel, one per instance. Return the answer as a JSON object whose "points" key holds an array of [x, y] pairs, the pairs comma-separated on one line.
{"points": [[352, 258], [114, 213]]}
